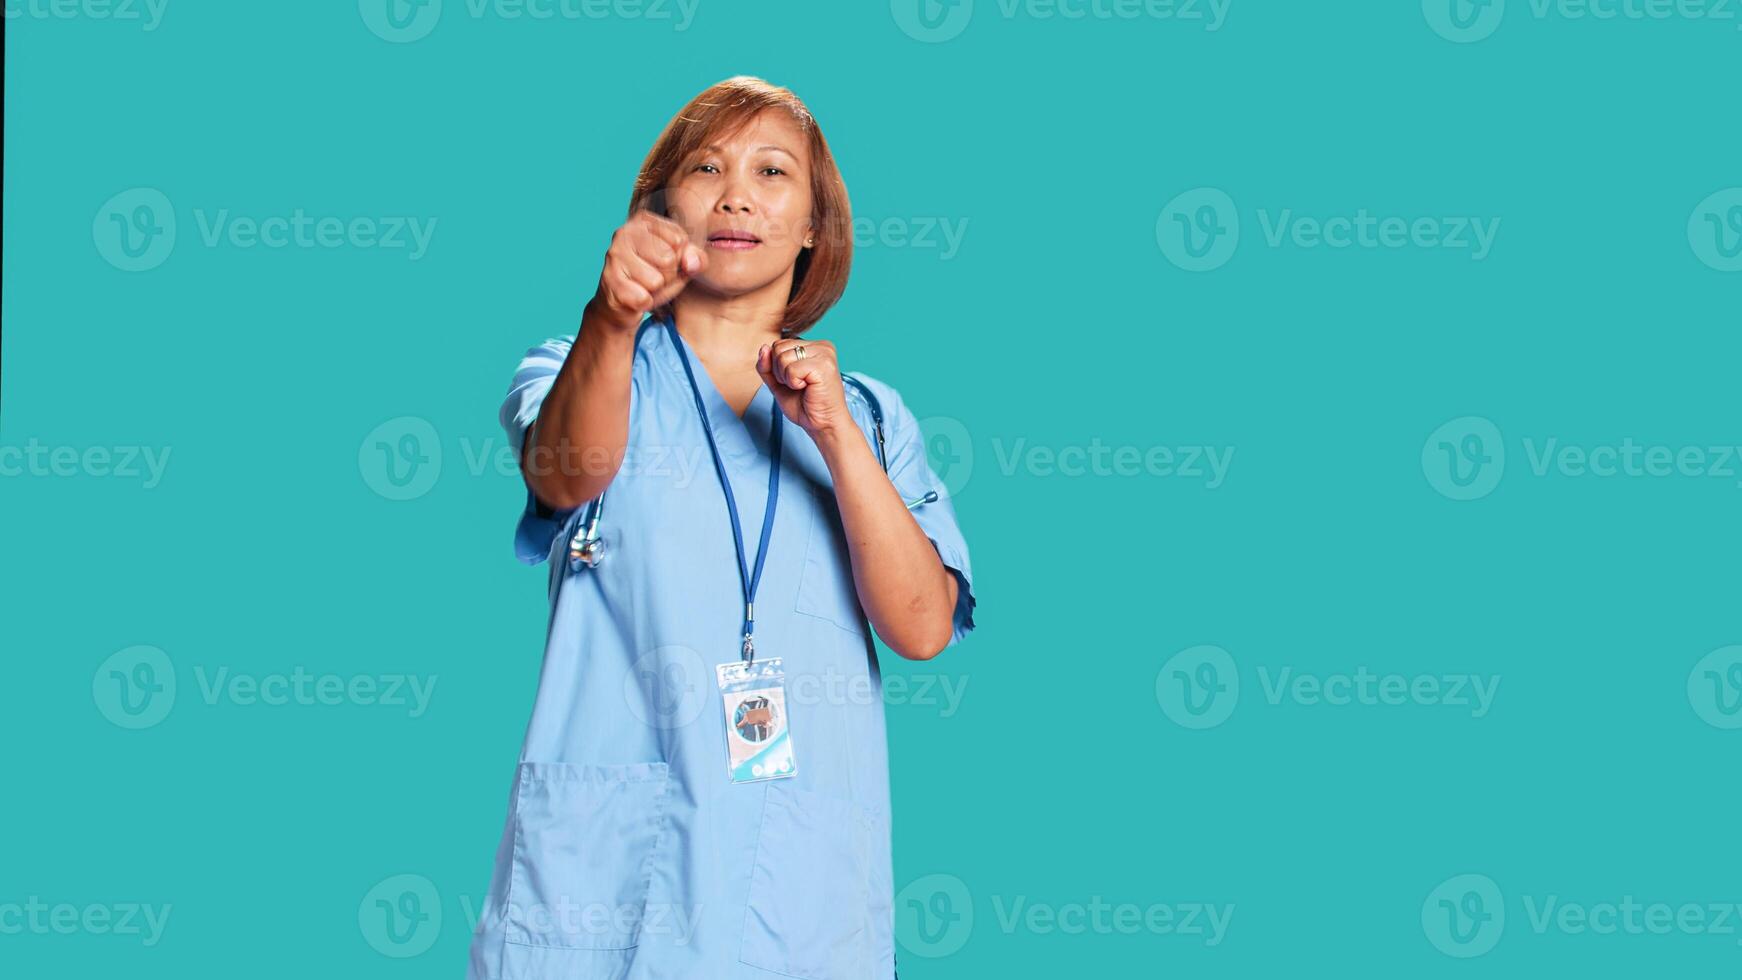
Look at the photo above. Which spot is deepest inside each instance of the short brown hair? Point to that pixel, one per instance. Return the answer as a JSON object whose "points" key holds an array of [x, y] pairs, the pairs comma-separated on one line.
{"points": [[820, 275]]}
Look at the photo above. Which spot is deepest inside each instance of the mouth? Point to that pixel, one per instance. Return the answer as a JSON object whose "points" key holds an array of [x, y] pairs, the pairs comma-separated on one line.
{"points": [[732, 239]]}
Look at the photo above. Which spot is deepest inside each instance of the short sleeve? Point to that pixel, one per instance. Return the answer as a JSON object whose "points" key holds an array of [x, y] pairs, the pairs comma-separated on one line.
{"points": [[913, 477], [539, 525]]}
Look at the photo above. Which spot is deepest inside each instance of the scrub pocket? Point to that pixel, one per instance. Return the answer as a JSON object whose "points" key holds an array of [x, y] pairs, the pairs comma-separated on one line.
{"points": [[809, 907], [826, 590], [585, 838]]}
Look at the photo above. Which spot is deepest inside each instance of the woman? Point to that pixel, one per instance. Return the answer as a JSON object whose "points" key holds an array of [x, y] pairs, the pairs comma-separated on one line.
{"points": [[703, 789]]}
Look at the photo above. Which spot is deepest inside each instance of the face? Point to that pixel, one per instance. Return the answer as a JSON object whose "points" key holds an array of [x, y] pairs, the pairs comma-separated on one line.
{"points": [[746, 198]]}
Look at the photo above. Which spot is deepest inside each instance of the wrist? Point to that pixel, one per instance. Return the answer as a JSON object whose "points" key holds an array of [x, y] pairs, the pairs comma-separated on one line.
{"points": [[612, 322], [839, 443], [601, 348]]}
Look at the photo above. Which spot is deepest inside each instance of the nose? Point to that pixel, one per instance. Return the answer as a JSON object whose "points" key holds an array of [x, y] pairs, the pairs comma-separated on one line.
{"points": [[733, 198]]}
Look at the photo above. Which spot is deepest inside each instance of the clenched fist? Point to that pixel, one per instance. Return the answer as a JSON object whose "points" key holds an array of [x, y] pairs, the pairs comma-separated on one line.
{"points": [[650, 261], [806, 381]]}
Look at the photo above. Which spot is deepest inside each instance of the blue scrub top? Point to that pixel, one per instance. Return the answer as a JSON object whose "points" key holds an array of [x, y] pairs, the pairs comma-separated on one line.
{"points": [[627, 852]]}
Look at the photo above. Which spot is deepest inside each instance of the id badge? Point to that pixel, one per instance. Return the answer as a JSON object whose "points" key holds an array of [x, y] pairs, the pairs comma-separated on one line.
{"points": [[758, 745]]}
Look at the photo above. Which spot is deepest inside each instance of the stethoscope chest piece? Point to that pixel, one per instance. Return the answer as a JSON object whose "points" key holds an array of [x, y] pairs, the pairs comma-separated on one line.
{"points": [[586, 554], [586, 547]]}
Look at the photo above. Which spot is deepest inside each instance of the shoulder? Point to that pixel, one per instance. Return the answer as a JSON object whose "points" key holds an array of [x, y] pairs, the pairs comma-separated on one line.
{"points": [[558, 346], [878, 397], [548, 357], [544, 358]]}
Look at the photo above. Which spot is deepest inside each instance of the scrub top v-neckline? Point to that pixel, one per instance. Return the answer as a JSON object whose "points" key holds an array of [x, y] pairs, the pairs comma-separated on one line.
{"points": [[736, 434]]}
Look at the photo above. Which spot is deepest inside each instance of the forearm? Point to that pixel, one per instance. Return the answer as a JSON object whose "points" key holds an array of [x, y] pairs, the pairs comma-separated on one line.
{"points": [[907, 593], [576, 446]]}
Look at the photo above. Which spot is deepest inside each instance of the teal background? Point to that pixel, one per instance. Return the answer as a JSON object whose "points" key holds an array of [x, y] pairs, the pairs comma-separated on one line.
{"points": [[1055, 145]]}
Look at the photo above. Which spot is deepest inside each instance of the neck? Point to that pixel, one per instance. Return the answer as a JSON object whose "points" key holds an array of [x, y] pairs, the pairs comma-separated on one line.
{"points": [[731, 327]]}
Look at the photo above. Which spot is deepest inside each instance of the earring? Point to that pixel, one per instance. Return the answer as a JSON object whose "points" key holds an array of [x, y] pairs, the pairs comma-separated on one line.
{"points": [[809, 242]]}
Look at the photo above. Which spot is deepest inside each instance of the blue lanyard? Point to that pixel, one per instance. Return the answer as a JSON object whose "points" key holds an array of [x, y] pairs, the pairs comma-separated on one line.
{"points": [[746, 576]]}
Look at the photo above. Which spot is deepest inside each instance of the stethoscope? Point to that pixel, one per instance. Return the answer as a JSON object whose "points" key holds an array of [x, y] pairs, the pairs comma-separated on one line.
{"points": [[587, 548]]}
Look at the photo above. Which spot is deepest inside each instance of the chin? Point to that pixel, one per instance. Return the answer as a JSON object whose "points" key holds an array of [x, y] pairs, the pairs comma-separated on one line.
{"points": [[730, 285]]}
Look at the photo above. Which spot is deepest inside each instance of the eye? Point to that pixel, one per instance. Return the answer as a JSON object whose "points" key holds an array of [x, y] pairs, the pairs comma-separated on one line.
{"points": [[773, 172], [707, 168]]}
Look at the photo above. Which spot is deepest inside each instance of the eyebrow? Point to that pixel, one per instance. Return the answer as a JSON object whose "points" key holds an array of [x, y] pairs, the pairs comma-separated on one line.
{"points": [[768, 146]]}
